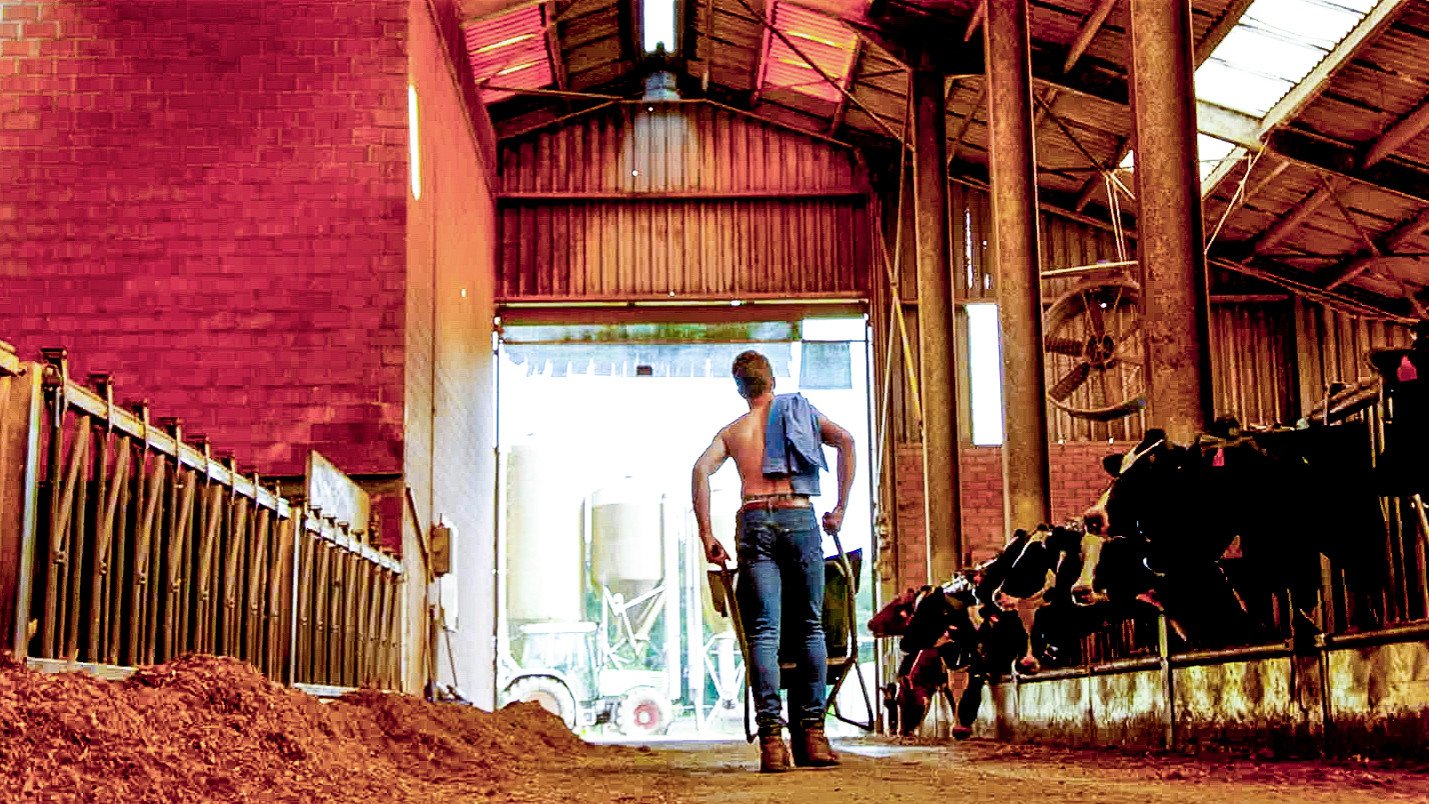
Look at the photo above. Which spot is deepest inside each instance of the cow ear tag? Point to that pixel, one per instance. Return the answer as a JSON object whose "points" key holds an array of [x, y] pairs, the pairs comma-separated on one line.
{"points": [[1406, 371], [1220, 459]]}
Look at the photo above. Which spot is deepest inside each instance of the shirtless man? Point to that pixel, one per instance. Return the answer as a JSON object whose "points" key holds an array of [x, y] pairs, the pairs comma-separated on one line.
{"points": [[780, 551]]}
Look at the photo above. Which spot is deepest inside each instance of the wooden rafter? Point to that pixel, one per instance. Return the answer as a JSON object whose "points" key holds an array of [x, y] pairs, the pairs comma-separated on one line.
{"points": [[1090, 26], [1300, 213], [771, 28], [1399, 134], [978, 17], [1391, 242], [553, 45], [848, 82]]}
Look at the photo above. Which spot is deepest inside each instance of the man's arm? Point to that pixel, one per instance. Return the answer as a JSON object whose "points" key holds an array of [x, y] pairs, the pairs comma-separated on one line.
{"points": [[840, 439], [713, 458]]}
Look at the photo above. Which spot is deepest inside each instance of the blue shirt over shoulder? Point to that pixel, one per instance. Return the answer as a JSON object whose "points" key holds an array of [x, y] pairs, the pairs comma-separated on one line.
{"points": [[792, 445]]}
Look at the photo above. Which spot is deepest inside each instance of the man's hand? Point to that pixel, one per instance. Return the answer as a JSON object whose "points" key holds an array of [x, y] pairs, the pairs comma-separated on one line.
{"points": [[715, 552], [833, 521]]}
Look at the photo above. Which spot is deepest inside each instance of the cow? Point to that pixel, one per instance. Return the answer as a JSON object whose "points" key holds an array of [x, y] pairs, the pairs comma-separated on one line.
{"points": [[1033, 576], [1223, 532], [946, 628]]}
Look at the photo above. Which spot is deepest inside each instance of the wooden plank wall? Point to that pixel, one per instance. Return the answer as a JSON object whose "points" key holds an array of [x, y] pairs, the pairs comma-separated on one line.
{"points": [[1332, 346], [684, 199], [1253, 362]]}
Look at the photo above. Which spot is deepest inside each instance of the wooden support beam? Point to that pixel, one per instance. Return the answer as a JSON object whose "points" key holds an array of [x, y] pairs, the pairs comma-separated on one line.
{"points": [[1090, 26], [1044, 108], [553, 45], [1359, 302], [1392, 241], [848, 82], [976, 22], [1338, 159], [1282, 228], [1399, 134]]}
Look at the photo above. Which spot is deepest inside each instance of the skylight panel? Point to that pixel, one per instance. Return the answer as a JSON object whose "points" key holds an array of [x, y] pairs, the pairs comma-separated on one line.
{"points": [[826, 43], [1252, 93], [1258, 51], [1212, 151], [509, 50], [1317, 23], [658, 25], [1271, 50]]}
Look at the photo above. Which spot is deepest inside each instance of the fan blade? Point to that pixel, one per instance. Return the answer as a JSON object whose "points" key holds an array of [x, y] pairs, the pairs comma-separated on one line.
{"points": [[1064, 346], [1128, 342], [1070, 381], [1093, 306]]}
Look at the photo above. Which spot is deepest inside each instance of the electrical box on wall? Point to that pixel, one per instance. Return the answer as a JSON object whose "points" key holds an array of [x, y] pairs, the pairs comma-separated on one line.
{"points": [[440, 549]]}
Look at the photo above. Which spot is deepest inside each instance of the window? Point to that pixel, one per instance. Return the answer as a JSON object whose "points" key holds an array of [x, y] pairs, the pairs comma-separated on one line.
{"points": [[985, 374], [658, 24], [414, 143]]}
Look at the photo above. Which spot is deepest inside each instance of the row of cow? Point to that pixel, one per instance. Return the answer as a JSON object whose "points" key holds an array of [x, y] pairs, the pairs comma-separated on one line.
{"points": [[1224, 538]]}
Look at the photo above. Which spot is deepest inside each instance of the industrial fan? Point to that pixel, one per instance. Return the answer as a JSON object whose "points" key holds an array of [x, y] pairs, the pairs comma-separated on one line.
{"points": [[1096, 350]]}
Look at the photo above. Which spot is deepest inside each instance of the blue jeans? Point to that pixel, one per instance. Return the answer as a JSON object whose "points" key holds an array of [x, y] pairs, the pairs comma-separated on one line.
{"points": [[781, 582]]}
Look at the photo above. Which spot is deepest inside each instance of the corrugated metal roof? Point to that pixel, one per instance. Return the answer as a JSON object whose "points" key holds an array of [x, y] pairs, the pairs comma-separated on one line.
{"points": [[827, 43], [1355, 71], [510, 50]]}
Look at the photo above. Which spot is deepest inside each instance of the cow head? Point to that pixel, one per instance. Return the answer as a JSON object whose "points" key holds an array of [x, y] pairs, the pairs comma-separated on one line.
{"points": [[896, 614]]}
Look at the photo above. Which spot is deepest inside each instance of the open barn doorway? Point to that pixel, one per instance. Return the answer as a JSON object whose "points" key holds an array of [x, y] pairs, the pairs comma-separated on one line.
{"points": [[605, 612]]}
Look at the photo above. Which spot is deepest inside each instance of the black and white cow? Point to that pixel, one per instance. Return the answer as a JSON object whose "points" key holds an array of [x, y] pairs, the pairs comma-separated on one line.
{"points": [[1222, 533], [962, 627]]}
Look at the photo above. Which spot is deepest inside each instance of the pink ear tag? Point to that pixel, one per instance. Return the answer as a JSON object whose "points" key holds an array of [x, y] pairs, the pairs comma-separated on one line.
{"points": [[1406, 371], [1220, 459]]}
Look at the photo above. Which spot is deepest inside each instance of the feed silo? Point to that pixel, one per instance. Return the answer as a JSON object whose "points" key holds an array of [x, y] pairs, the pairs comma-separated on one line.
{"points": [[626, 548], [543, 536]]}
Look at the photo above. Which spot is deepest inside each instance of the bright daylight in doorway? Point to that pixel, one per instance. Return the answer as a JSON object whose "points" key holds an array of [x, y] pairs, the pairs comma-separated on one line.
{"points": [[604, 580]]}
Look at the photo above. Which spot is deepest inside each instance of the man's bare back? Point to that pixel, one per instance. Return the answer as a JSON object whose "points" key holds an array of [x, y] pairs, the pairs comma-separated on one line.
{"points": [[744, 441]]}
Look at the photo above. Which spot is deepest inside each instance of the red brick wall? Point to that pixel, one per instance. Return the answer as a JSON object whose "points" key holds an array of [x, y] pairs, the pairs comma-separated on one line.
{"points": [[207, 198], [1077, 481]]}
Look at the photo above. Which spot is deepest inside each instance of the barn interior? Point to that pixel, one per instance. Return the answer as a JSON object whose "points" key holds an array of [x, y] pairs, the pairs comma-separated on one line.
{"points": [[384, 333]]}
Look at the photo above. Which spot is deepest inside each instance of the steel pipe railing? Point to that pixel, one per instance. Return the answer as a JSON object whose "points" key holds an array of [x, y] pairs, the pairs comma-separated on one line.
{"points": [[145, 548]]}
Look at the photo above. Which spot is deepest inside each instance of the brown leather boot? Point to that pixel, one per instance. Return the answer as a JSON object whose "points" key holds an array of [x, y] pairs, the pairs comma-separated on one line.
{"points": [[811, 748], [773, 752]]}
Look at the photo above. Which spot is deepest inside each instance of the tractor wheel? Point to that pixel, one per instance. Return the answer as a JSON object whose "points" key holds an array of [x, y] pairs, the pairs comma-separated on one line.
{"points": [[642, 712], [550, 693]]}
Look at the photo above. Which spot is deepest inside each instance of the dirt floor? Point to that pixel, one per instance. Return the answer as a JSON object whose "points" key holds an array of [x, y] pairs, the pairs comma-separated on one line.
{"points": [[202, 730], [972, 772]]}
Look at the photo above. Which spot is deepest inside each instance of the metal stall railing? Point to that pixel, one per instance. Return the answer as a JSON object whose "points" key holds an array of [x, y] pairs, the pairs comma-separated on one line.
{"points": [[136, 548]]}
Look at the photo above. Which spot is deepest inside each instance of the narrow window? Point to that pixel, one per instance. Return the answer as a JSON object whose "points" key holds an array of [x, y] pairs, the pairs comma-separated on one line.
{"points": [[659, 25], [414, 143], [985, 374]]}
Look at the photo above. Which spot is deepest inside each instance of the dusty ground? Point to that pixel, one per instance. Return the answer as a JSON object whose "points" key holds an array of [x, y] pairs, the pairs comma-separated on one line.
{"points": [[206, 730], [971, 773]]}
